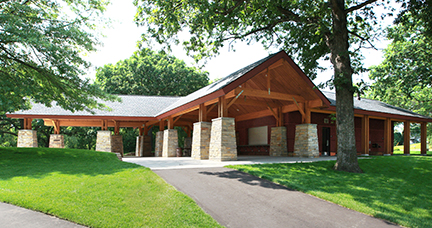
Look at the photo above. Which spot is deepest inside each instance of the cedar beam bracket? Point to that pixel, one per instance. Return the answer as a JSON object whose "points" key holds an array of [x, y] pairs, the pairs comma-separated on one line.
{"points": [[116, 127], [104, 125], [300, 109], [56, 124], [141, 130], [211, 107], [273, 113], [233, 100], [176, 119]]}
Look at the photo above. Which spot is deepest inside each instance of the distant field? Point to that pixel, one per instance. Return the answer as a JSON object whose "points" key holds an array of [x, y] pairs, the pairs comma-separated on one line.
{"points": [[414, 149]]}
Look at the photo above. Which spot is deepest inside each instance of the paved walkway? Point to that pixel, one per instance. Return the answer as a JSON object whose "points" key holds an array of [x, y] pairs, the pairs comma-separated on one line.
{"points": [[157, 163], [236, 199], [17, 217]]}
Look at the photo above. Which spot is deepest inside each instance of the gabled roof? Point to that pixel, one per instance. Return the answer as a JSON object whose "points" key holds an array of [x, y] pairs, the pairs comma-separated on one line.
{"points": [[365, 104]]}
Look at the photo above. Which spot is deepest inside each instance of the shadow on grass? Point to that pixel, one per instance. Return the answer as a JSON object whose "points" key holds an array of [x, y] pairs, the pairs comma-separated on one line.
{"points": [[246, 178], [392, 188], [39, 162]]}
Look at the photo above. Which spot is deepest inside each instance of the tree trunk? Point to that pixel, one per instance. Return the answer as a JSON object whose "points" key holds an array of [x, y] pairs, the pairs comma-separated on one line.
{"points": [[346, 144]]}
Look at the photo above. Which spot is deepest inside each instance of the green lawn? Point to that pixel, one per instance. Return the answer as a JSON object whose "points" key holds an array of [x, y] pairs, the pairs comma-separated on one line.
{"points": [[396, 188], [94, 189]]}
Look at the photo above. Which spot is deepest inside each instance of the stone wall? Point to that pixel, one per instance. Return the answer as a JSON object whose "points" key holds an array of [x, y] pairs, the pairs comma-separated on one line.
{"points": [[56, 141], [223, 146], [201, 140], [159, 143], [27, 138], [103, 141], [170, 143], [306, 141], [278, 142], [117, 144]]}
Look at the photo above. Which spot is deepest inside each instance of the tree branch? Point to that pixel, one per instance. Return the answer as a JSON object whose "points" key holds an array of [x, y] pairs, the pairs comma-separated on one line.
{"points": [[359, 6], [362, 39]]}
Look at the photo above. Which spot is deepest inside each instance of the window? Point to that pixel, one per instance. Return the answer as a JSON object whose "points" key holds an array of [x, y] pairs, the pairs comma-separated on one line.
{"points": [[258, 135]]}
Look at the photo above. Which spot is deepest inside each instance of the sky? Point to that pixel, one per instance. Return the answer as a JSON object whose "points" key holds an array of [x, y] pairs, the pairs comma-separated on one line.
{"points": [[120, 41]]}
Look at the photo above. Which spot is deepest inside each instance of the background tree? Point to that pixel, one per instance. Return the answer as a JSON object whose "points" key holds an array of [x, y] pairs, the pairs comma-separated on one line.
{"points": [[41, 44], [404, 78], [148, 72], [306, 30]]}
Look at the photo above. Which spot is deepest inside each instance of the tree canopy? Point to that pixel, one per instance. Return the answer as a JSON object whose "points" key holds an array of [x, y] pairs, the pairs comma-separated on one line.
{"points": [[306, 30], [41, 44], [148, 72]]}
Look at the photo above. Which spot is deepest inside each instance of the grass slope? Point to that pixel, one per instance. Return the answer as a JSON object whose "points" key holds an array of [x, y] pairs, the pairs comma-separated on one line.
{"points": [[94, 189], [396, 188]]}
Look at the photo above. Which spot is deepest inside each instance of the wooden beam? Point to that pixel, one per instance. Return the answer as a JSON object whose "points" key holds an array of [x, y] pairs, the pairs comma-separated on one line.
{"points": [[141, 130], [116, 127], [280, 117], [170, 124], [176, 119], [300, 108], [202, 114], [233, 100], [211, 108], [273, 95], [253, 115], [307, 119], [257, 103], [274, 114], [104, 125], [365, 135], [407, 137], [388, 145], [423, 141]]}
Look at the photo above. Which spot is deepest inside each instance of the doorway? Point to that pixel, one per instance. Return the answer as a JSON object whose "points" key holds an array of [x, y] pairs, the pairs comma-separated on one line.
{"points": [[325, 141]]}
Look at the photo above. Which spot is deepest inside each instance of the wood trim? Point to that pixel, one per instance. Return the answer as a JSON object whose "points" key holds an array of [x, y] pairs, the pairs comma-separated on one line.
{"points": [[407, 135], [222, 110], [423, 137], [202, 113], [161, 125]]}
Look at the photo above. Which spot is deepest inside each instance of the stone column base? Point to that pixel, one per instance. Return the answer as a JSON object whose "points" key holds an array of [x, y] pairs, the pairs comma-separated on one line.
{"points": [[103, 141], [56, 141], [223, 145], [201, 140], [27, 138], [159, 143], [278, 142], [170, 143], [306, 141], [117, 144]]}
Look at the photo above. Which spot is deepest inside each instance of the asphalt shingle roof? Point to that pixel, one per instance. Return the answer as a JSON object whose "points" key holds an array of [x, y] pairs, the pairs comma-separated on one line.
{"points": [[375, 106]]}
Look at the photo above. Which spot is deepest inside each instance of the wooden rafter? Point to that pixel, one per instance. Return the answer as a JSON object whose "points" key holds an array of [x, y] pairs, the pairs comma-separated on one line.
{"points": [[273, 95]]}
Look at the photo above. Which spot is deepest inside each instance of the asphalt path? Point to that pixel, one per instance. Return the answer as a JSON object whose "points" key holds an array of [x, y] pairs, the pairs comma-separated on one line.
{"points": [[236, 199], [17, 217]]}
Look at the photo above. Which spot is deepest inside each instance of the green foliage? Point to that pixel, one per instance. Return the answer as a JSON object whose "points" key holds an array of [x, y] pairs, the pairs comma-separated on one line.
{"points": [[8, 131], [150, 73], [80, 137], [404, 77], [41, 44], [394, 188], [94, 189]]}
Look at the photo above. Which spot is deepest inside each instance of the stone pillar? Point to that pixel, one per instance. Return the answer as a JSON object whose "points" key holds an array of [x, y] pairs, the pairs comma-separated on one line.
{"points": [[170, 143], [147, 147], [159, 143], [27, 138], [187, 146], [117, 144], [201, 140], [56, 141], [223, 146], [103, 141], [139, 146], [306, 141], [278, 142]]}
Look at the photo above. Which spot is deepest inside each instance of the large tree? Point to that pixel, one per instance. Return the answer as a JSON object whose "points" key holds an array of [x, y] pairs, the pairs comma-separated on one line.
{"points": [[307, 30], [41, 47], [148, 72]]}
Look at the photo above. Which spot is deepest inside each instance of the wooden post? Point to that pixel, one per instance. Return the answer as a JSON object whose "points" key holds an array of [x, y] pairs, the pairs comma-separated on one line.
{"points": [[307, 113], [170, 124], [202, 114], [116, 127], [365, 134], [280, 117], [161, 125], [388, 136], [423, 137], [27, 123], [141, 130], [407, 137], [104, 125], [222, 107]]}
